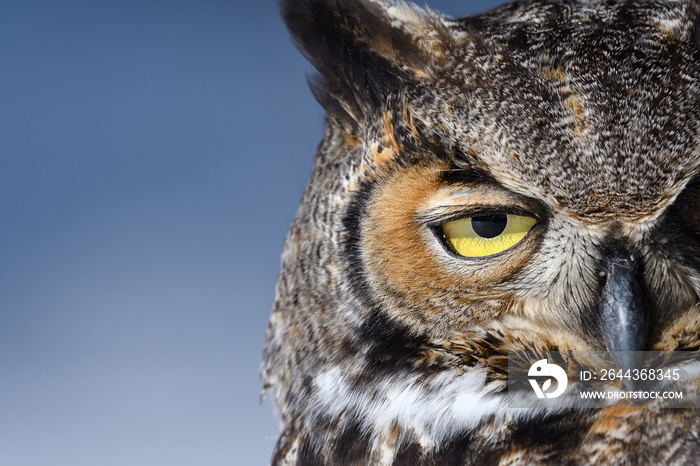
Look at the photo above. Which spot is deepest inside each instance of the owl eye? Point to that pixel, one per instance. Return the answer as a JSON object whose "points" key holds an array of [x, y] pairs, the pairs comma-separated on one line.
{"points": [[486, 235]]}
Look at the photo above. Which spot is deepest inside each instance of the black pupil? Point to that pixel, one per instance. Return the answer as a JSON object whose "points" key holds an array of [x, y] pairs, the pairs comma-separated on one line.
{"points": [[489, 226]]}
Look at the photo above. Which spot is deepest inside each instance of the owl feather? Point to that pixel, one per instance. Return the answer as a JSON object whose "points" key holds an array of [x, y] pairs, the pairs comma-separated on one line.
{"points": [[525, 179]]}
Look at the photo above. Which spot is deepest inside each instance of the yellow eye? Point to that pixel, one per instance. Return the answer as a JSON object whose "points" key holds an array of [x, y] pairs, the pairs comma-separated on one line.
{"points": [[485, 235]]}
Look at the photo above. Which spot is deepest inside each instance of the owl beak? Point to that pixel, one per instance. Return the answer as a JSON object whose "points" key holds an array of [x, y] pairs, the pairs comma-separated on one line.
{"points": [[623, 317]]}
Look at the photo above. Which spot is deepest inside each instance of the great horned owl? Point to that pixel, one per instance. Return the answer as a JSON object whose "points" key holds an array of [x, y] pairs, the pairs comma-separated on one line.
{"points": [[485, 185]]}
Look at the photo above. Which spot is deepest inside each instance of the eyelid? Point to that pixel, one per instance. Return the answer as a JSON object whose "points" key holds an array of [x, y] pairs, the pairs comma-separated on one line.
{"points": [[436, 217]]}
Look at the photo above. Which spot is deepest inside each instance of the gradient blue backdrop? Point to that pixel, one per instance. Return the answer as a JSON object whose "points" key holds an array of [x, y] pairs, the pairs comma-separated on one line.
{"points": [[152, 156]]}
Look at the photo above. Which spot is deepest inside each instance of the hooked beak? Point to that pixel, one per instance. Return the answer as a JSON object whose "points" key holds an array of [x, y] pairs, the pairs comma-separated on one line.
{"points": [[623, 317]]}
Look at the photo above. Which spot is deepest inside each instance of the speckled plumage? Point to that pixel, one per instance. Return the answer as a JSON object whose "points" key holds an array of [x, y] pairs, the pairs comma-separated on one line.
{"points": [[385, 348]]}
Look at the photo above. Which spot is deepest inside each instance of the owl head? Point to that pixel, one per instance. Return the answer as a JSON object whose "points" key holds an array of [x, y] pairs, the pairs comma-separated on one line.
{"points": [[523, 179]]}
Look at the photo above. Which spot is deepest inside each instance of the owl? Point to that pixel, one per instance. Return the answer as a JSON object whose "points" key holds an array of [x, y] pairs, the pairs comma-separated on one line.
{"points": [[526, 179]]}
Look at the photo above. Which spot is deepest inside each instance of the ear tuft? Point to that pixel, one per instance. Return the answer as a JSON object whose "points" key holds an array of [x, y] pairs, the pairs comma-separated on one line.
{"points": [[364, 50]]}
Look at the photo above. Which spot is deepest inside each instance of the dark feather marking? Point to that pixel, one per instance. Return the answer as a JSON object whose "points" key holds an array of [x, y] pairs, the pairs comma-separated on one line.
{"points": [[308, 455], [352, 446], [352, 226], [394, 348]]}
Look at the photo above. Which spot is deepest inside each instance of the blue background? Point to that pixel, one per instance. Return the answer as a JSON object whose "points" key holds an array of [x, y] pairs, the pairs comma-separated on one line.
{"points": [[152, 157]]}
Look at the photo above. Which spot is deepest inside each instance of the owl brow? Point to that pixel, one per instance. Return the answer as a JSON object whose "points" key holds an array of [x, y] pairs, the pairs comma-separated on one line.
{"points": [[467, 176]]}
